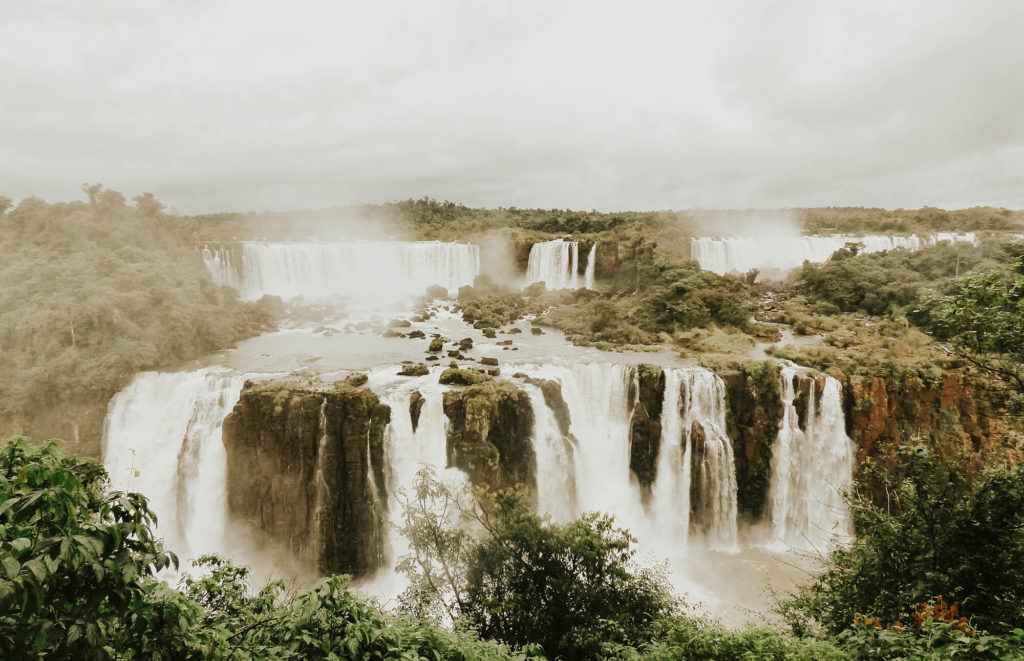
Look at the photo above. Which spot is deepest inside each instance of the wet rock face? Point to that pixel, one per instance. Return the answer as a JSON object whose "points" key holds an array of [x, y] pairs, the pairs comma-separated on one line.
{"points": [[645, 426], [489, 434], [306, 471], [552, 391], [754, 394], [945, 411]]}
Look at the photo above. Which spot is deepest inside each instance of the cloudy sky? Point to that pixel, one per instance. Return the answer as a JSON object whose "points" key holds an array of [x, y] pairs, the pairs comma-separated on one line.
{"points": [[237, 104]]}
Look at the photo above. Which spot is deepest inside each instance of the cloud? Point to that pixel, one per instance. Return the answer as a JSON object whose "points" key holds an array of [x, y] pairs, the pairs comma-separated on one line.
{"points": [[256, 105]]}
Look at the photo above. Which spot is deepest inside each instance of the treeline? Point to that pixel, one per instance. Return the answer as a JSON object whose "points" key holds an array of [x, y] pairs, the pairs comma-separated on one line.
{"points": [[431, 219], [93, 292], [934, 574]]}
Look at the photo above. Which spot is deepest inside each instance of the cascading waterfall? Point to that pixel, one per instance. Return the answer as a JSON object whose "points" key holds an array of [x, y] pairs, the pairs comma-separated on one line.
{"points": [[695, 484], [556, 264], [360, 270], [163, 439], [810, 469], [406, 451], [556, 476], [783, 253], [588, 276]]}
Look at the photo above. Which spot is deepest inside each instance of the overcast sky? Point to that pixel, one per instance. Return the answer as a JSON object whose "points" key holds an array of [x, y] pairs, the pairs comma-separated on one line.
{"points": [[235, 105]]}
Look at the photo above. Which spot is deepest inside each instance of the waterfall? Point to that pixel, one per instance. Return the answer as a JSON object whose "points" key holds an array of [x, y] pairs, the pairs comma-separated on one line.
{"points": [[811, 466], [556, 474], [361, 270], [783, 253], [695, 484], [670, 493], [556, 264], [405, 452], [588, 277], [163, 439]]}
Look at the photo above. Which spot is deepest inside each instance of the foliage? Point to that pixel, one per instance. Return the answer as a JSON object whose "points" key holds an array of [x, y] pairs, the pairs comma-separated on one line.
{"points": [[877, 283], [686, 639], [861, 220], [672, 297], [939, 534], [982, 319], [78, 563], [571, 588], [93, 292], [79, 581]]}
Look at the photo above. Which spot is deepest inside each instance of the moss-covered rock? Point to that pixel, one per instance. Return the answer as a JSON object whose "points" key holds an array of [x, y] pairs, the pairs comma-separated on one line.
{"points": [[457, 376], [414, 369], [645, 426], [489, 434], [306, 472], [754, 393]]}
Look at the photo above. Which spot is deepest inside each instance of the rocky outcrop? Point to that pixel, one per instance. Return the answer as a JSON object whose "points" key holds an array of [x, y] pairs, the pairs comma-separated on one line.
{"points": [[754, 396], [945, 411], [489, 434], [306, 471], [645, 424]]}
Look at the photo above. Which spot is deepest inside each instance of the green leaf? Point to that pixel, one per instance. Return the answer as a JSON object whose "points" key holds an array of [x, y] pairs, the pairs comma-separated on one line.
{"points": [[12, 567]]}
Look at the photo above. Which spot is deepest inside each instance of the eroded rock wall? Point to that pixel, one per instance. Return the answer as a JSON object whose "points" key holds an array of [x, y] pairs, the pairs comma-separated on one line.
{"points": [[489, 434], [306, 471]]}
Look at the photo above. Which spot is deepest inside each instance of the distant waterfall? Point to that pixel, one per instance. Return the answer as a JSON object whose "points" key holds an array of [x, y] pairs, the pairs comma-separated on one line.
{"points": [[362, 270], [695, 486], [811, 466], [163, 439], [783, 253], [557, 264]]}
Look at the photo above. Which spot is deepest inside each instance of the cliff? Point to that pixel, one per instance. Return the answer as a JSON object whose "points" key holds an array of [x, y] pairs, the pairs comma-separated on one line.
{"points": [[489, 434], [645, 425], [306, 471]]}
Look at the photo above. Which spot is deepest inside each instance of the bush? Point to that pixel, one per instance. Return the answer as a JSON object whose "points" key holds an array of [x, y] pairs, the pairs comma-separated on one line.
{"points": [[939, 535]]}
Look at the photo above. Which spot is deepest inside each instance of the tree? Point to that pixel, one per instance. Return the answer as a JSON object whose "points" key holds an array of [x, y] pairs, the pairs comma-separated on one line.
{"points": [[571, 588], [79, 563], [938, 535], [982, 320]]}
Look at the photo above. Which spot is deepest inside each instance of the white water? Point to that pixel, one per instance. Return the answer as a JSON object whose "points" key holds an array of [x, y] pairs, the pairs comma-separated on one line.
{"points": [[694, 396], [556, 264], [556, 459], [163, 439], [366, 271], [810, 470], [783, 253], [405, 452]]}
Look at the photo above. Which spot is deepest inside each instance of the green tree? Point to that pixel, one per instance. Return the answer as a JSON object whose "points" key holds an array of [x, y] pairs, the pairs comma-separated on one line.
{"points": [[982, 320], [571, 588], [938, 534]]}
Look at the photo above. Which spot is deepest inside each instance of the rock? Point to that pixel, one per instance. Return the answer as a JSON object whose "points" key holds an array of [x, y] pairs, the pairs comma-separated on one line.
{"points": [[399, 323], [436, 291], [431, 358], [453, 376], [645, 425], [416, 335], [536, 331], [514, 331], [278, 439], [417, 319], [552, 391], [489, 434], [488, 361], [436, 345], [505, 343], [489, 333], [455, 354], [466, 343], [356, 380], [392, 333], [520, 375], [494, 372], [415, 407], [418, 369]]}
